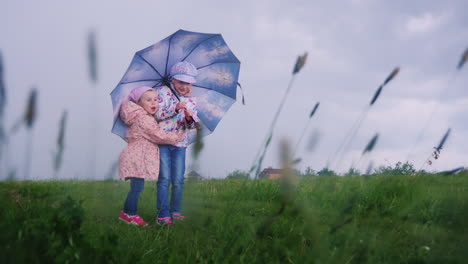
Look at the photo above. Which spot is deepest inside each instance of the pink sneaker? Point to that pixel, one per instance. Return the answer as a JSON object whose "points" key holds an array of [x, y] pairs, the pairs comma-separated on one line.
{"points": [[125, 217], [177, 216], [164, 221], [137, 220]]}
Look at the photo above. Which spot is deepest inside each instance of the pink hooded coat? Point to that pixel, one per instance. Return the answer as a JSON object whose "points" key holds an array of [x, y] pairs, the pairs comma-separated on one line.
{"points": [[141, 156]]}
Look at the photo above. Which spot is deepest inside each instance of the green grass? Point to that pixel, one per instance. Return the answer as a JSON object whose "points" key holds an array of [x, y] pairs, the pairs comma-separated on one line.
{"points": [[378, 219]]}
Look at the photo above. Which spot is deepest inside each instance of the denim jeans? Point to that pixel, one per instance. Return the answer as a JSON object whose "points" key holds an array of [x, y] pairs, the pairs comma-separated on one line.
{"points": [[131, 203], [172, 170]]}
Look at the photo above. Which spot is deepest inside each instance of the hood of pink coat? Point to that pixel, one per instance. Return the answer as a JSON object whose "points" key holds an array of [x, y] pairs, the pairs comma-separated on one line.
{"points": [[130, 111]]}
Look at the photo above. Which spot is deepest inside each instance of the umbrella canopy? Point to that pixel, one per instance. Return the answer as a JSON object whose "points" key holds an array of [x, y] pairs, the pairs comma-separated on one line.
{"points": [[216, 86]]}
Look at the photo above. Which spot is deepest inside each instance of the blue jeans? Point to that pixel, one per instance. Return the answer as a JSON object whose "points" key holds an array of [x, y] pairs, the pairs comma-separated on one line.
{"points": [[172, 170], [131, 203]]}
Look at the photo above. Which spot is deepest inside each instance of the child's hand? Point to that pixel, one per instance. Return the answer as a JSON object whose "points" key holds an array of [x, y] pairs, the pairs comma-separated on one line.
{"points": [[188, 113], [188, 116], [180, 105]]}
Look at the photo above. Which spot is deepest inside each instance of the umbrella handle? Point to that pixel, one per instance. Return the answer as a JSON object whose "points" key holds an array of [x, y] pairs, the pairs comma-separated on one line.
{"points": [[174, 92]]}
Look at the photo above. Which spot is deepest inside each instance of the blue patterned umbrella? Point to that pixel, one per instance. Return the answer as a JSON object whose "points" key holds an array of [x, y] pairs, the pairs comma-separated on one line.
{"points": [[216, 86]]}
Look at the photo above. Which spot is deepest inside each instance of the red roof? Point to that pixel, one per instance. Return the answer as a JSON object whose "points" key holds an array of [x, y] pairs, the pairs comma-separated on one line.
{"points": [[271, 170]]}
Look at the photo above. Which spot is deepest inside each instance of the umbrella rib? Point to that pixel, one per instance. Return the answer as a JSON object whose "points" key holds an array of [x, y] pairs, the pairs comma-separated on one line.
{"points": [[216, 63], [168, 52], [190, 52], [204, 87], [151, 65]]}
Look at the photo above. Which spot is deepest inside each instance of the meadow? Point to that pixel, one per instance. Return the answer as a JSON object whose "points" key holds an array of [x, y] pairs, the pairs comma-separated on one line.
{"points": [[421, 218]]}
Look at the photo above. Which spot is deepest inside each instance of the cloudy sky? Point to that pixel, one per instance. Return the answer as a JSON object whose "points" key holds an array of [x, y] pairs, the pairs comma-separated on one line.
{"points": [[352, 44]]}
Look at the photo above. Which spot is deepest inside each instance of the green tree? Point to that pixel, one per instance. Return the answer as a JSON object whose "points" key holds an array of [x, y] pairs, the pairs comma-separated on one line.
{"points": [[309, 172], [352, 172], [238, 174], [326, 172], [399, 169]]}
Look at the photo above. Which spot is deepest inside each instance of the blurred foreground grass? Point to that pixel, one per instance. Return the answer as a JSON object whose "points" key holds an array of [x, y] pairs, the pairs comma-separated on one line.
{"points": [[377, 219]]}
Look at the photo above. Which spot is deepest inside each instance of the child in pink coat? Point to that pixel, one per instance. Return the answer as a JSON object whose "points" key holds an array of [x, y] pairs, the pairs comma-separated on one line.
{"points": [[140, 159]]}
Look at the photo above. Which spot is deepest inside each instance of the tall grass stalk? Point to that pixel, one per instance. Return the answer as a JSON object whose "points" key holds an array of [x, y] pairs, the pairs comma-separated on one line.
{"points": [[3, 97], [263, 149], [3, 102], [336, 158], [2, 88], [30, 118], [463, 59], [92, 54], [349, 137], [369, 147], [434, 107], [370, 167], [27, 120], [436, 153], [257, 164], [58, 157], [312, 113]]}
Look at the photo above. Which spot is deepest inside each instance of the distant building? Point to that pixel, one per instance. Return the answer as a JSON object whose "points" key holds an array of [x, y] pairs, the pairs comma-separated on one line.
{"points": [[270, 173], [193, 175]]}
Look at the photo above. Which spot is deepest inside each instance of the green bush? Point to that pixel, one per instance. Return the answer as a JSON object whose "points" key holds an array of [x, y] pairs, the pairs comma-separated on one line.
{"points": [[40, 227], [238, 174], [399, 169], [352, 172], [326, 172]]}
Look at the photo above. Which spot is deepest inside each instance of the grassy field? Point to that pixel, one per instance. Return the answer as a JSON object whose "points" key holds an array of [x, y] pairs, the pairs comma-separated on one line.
{"points": [[375, 219]]}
